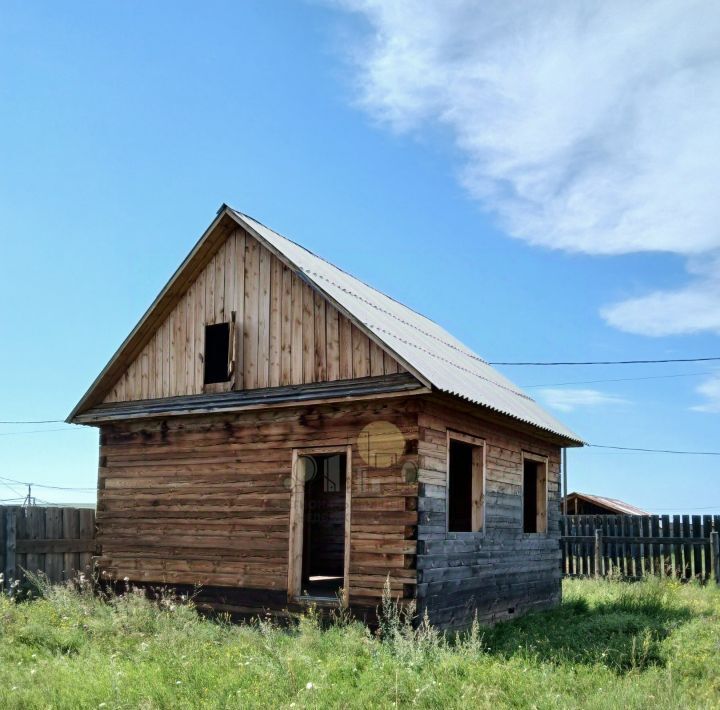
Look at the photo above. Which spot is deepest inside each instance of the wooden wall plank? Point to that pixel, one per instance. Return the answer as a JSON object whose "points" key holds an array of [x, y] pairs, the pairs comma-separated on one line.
{"points": [[332, 335], [296, 351], [286, 327], [276, 293], [240, 246], [219, 290], [263, 354], [181, 346], [198, 359], [345, 347], [361, 353], [320, 339], [252, 286], [308, 333], [377, 366]]}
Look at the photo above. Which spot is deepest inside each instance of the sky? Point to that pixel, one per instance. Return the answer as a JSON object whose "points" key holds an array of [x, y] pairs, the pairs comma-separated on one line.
{"points": [[540, 179]]}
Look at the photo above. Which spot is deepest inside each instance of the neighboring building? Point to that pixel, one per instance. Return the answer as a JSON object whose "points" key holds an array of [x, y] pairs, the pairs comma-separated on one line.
{"points": [[586, 504], [279, 432]]}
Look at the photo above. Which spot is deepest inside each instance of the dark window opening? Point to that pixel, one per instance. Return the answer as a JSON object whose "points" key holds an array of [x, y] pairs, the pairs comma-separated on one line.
{"points": [[323, 567], [460, 484], [534, 497], [464, 487], [217, 351], [530, 496]]}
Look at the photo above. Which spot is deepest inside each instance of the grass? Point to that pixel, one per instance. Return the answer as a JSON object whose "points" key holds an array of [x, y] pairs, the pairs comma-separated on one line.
{"points": [[611, 644]]}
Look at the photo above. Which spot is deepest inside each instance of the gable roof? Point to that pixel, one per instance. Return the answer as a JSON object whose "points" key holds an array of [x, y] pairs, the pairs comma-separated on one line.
{"points": [[621, 507], [428, 351]]}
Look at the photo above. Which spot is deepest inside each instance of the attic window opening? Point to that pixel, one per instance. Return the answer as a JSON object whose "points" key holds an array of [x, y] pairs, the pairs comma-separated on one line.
{"points": [[217, 353], [465, 484]]}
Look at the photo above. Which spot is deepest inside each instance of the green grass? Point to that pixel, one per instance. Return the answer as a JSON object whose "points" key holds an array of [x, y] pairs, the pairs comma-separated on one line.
{"points": [[610, 645]]}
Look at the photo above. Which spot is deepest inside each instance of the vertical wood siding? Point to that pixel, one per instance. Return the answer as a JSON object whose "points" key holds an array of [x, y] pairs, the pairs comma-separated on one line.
{"points": [[286, 333]]}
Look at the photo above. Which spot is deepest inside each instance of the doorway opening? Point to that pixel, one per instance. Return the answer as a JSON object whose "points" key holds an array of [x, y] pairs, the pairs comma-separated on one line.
{"points": [[323, 542]]}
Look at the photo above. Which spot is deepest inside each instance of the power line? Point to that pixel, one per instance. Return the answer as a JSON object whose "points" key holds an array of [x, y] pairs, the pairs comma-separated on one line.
{"points": [[36, 421], [41, 485], [621, 379], [709, 507], [35, 431], [655, 451], [609, 362]]}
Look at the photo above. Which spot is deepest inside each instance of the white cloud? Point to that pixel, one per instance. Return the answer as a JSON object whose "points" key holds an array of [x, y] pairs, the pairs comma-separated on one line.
{"points": [[589, 127], [710, 389], [566, 400], [687, 310]]}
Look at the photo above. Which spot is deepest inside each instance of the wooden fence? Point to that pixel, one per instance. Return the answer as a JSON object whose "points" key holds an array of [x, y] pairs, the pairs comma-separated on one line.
{"points": [[633, 546], [55, 541]]}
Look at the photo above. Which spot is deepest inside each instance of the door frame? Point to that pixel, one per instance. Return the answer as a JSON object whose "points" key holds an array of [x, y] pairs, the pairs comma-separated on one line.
{"points": [[297, 519]]}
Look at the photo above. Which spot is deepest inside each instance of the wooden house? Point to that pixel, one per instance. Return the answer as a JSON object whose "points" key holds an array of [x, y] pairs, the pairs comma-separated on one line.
{"points": [[278, 431], [587, 504]]}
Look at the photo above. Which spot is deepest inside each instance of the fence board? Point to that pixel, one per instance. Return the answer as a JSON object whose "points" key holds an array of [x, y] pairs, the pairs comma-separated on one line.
{"points": [[634, 546]]}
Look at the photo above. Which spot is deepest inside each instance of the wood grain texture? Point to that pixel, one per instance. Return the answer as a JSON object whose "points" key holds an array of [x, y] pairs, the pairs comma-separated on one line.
{"points": [[207, 499], [285, 332], [499, 572]]}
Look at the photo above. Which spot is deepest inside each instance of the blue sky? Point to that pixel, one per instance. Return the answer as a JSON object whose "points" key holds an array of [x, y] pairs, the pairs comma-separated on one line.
{"points": [[541, 190]]}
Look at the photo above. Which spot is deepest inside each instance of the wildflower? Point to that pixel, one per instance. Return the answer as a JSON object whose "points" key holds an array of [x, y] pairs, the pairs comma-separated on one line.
{"points": [[33, 671], [310, 686], [178, 682]]}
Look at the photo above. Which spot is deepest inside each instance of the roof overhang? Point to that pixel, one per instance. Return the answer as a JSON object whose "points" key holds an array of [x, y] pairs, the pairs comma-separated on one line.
{"points": [[245, 400]]}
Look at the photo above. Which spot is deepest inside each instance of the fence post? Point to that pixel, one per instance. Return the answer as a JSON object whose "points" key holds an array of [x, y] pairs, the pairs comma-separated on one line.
{"points": [[10, 530], [715, 555], [598, 553]]}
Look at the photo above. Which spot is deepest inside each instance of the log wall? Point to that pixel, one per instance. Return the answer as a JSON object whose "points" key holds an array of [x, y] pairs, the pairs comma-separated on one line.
{"points": [[285, 332], [205, 500], [501, 571]]}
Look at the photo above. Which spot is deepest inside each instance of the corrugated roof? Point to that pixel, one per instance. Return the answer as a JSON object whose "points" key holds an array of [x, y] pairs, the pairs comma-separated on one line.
{"points": [[423, 345], [613, 503]]}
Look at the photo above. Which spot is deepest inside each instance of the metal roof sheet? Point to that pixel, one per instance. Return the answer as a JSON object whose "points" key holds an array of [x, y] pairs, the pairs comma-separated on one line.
{"points": [[425, 346], [613, 503]]}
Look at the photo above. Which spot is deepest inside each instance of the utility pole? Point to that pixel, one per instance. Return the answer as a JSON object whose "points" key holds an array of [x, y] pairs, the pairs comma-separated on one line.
{"points": [[29, 500]]}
